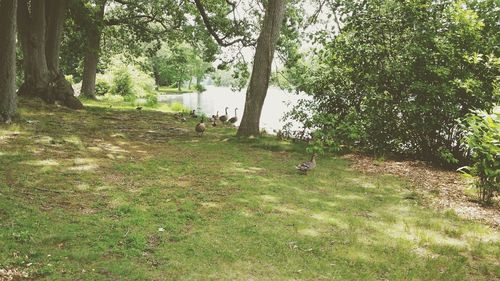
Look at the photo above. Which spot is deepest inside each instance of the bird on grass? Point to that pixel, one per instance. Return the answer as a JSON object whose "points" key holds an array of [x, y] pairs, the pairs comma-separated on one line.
{"points": [[234, 119], [193, 114], [214, 124], [139, 108], [179, 116], [200, 127], [223, 118], [214, 117], [308, 165]]}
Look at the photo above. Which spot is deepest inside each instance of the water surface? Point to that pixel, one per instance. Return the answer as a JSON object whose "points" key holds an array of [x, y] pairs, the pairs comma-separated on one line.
{"points": [[214, 99]]}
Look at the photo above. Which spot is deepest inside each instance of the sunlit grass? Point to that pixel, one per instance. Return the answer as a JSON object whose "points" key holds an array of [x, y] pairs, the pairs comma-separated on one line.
{"points": [[117, 194]]}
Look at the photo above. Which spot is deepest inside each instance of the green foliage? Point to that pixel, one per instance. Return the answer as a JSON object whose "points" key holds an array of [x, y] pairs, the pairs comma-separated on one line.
{"points": [[200, 88], [240, 76], [151, 100], [129, 81], [400, 74], [179, 107], [122, 83], [175, 64], [483, 141], [102, 87]]}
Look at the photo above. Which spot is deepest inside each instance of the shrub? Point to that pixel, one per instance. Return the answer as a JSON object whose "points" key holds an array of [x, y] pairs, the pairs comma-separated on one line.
{"points": [[102, 87], [151, 100], [483, 141], [179, 107], [122, 83]]}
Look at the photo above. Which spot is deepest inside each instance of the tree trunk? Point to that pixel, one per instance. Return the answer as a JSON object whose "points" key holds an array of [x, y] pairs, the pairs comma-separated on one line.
{"points": [[32, 28], [92, 53], [7, 59], [259, 81], [40, 26]]}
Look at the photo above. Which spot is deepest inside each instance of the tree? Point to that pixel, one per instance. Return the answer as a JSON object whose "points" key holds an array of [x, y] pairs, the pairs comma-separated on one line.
{"points": [[40, 25], [7, 59], [400, 74], [132, 23], [259, 81], [93, 31]]}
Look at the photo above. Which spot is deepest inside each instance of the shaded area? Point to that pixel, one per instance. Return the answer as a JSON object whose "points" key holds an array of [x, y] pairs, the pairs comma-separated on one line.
{"points": [[126, 195]]}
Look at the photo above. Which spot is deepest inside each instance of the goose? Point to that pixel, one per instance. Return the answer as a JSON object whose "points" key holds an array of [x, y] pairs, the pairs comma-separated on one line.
{"points": [[179, 116], [223, 118], [233, 120], [193, 114], [214, 124], [200, 127], [139, 108], [308, 165], [215, 117]]}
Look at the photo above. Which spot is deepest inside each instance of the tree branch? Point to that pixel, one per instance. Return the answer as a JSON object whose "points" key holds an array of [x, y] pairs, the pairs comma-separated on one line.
{"points": [[213, 32]]}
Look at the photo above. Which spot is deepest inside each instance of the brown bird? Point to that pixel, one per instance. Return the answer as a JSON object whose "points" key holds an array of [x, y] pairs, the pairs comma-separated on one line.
{"points": [[193, 114], [308, 165], [200, 127], [223, 118], [234, 119]]}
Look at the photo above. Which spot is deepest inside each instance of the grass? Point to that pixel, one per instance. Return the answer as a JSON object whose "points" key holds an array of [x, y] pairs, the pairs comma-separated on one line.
{"points": [[119, 104], [116, 194], [174, 90]]}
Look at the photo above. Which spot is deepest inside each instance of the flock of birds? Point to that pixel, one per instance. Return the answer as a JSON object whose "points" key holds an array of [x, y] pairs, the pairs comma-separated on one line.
{"points": [[214, 120], [224, 119]]}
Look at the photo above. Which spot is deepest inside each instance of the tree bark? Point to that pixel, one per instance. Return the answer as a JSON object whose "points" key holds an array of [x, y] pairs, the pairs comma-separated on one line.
{"points": [[40, 25], [259, 81], [7, 59], [32, 28], [92, 53]]}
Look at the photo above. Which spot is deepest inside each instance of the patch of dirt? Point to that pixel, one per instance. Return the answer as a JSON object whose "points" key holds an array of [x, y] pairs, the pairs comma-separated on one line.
{"points": [[441, 189], [12, 274]]}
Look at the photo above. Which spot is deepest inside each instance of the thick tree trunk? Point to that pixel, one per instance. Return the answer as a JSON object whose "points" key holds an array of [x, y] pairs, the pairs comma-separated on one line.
{"points": [[92, 54], [7, 59], [32, 28], [55, 12], [40, 26], [259, 81]]}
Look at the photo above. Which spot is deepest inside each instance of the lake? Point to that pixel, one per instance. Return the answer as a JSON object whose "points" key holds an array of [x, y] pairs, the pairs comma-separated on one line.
{"points": [[214, 99]]}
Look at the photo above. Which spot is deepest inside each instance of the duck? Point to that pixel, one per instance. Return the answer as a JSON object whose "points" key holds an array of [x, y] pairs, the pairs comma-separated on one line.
{"points": [[308, 165], [223, 118], [200, 127], [234, 119]]}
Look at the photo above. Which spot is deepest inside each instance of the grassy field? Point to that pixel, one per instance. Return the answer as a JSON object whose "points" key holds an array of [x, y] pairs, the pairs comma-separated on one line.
{"points": [[117, 194], [173, 90]]}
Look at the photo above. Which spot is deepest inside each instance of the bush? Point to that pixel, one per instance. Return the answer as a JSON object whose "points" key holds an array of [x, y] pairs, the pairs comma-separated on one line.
{"points": [[179, 107], [401, 96], [122, 83], [151, 100], [483, 141], [102, 87]]}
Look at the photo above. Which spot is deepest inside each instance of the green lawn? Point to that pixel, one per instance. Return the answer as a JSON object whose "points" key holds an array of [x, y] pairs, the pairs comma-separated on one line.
{"points": [[117, 194], [174, 90]]}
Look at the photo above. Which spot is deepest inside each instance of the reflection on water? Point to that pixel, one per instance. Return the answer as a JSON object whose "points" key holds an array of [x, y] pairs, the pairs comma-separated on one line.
{"points": [[214, 99]]}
